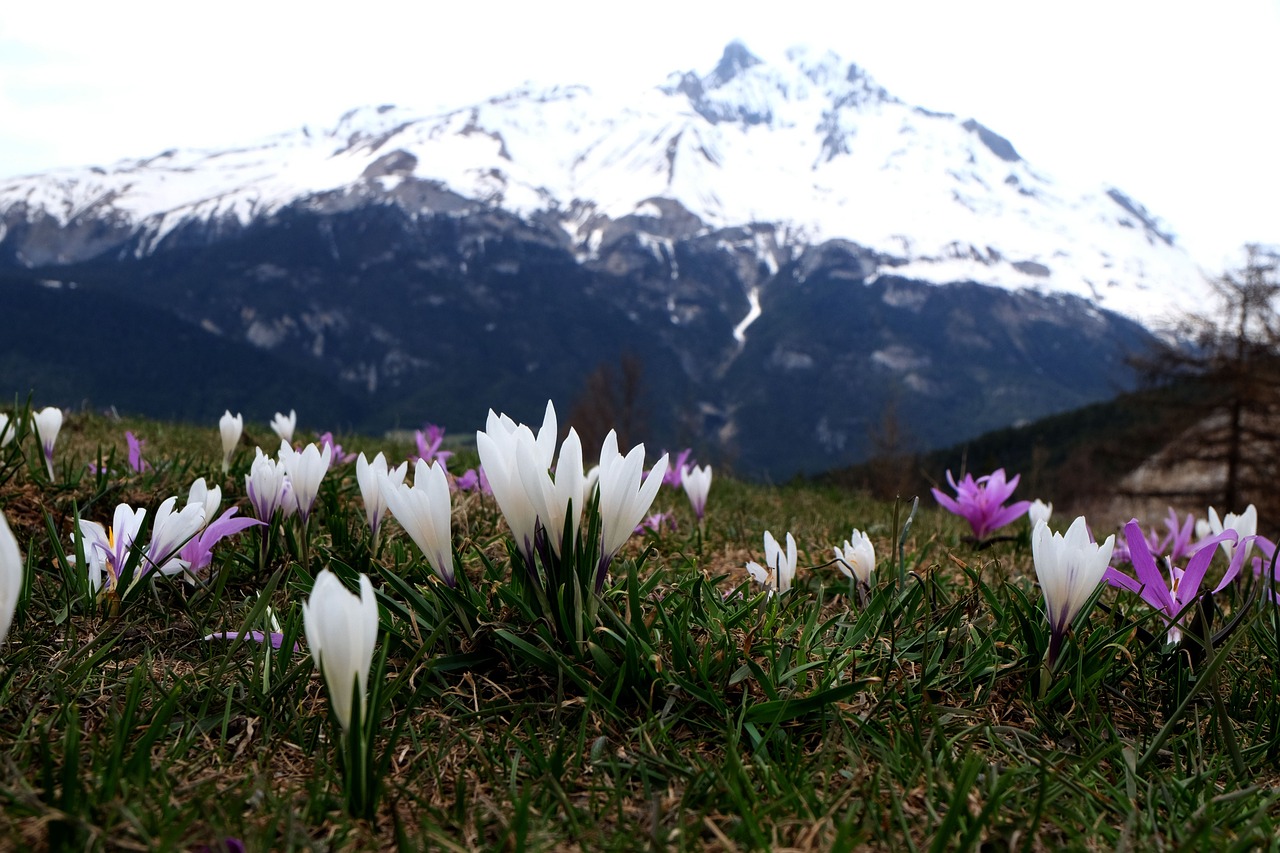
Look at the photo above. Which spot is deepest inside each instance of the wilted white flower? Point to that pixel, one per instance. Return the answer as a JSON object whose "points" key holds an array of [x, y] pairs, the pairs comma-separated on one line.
{"points": [[780, 566]]}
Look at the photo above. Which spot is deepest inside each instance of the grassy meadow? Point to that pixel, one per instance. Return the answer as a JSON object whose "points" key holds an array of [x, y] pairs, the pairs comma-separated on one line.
{"points": [[700, 713]]}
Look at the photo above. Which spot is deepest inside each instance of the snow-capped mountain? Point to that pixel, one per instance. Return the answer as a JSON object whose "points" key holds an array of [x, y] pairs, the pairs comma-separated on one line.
{"points": [[767, 238], [814, 146]]}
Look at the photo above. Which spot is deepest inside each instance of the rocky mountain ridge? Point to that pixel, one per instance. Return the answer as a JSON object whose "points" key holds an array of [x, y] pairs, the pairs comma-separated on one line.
{"points": [[790, 250]]}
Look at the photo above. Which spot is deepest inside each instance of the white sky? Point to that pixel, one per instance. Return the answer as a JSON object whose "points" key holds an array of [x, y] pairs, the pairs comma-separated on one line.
{"points": [[1175, 102]]}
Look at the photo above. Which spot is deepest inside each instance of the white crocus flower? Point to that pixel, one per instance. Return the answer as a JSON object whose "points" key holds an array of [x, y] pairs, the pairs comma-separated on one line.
{"points": [[557, 501], [48, 421], [266, 485], [697, 484], [8, 428], [779, 564], [425, 512], [1069, 569], [1039, 511], [857, 557], [1245, 525], [498, 458], [625, 495], [306, 469], [230, 428], [169, 532], [284, 426], [10, 576], [370, 477], [497, 449], [106, 552], [209, 498], [341, 630], [544, 440]]}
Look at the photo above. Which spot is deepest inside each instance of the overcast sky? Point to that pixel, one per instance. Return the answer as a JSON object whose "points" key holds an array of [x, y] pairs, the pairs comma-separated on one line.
{"points": [[1177, 103]]}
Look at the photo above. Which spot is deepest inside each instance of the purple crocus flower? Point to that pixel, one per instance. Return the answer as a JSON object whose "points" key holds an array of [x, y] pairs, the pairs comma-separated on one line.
{"points": [[656, 522], [428, 440], [198, 551], [674, 476], [339, 458], [1173, 595], [136, 462], [981, 501], [472, 479], [1177, 544]]}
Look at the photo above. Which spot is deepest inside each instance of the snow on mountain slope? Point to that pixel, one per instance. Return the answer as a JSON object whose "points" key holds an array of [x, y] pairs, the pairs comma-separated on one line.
{"points": [[812, 145]]}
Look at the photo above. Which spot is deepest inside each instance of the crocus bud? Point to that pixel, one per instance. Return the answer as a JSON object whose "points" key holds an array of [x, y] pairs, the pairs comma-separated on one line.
{"points": [[48, 421], [697, 483], [231, 426], [625, 495], [306, 469], [341, 629], [370, 477]]}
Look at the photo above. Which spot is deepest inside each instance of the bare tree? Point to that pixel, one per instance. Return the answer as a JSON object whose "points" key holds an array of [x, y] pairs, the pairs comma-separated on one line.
{"points": [[1225, 366], [611, 399], [893, 462]]}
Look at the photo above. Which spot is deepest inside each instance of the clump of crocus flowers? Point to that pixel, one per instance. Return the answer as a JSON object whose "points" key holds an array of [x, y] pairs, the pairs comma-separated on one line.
{"points": [[1173, 591]]}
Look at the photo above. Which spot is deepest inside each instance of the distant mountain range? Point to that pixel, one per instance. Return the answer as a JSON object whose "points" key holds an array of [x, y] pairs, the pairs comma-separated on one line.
{"points": [[789, 250]]}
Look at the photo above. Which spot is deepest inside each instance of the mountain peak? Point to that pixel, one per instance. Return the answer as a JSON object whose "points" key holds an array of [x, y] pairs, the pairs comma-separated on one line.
{"points": [[735, 60], [745, 89]]}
